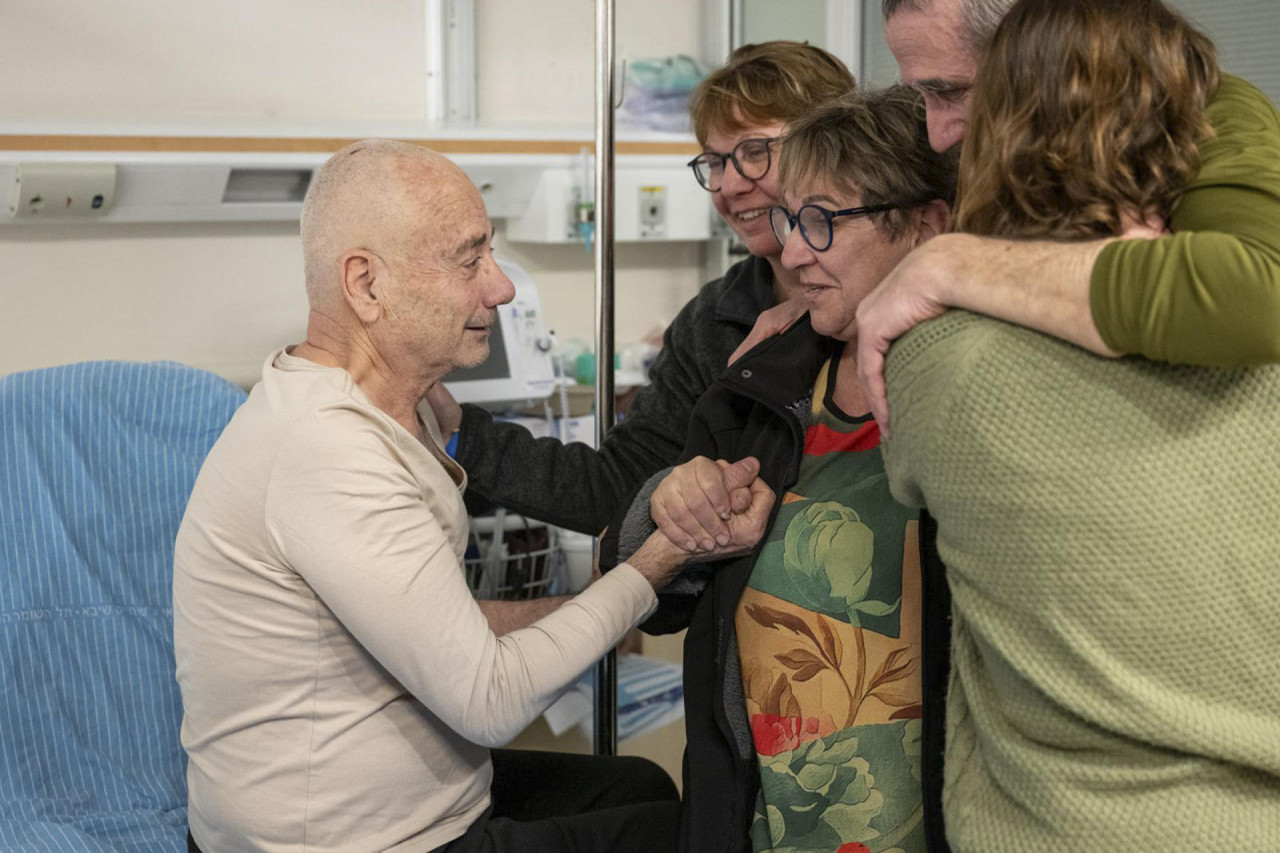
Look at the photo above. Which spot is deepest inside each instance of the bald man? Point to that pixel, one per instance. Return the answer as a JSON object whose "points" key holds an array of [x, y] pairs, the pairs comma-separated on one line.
{"points": [[341, 687]]}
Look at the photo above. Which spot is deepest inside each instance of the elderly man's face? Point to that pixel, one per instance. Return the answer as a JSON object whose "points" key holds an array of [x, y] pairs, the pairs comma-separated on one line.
{"points": [[447, 284], [834, 282], [935, 58]]}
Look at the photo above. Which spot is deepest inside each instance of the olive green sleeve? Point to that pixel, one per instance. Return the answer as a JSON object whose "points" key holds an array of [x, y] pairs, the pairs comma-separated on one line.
{"points": [[1210, 293]]}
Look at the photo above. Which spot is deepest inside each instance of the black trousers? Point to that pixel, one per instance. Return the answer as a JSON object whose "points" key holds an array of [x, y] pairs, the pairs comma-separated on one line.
{"points": [[552, 802]]}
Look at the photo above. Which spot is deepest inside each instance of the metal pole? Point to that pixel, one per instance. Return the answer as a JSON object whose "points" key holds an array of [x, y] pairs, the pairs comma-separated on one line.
{"points": [[605, 731]]}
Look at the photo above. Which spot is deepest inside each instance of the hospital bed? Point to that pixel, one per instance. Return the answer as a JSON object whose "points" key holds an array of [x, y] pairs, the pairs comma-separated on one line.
{"points": [[96, 463]]}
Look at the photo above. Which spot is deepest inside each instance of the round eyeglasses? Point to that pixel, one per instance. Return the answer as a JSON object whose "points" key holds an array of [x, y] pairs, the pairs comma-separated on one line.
{"points": [[815, 222], [751, 157]]}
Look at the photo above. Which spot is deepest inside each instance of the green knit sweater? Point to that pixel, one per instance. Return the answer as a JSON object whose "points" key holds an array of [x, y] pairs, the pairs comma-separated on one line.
{"points": [[1111, 531]]}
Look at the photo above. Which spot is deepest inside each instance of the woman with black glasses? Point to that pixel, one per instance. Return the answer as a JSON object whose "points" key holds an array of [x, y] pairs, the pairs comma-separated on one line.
{"points": [[737, 112], [803, 695]]}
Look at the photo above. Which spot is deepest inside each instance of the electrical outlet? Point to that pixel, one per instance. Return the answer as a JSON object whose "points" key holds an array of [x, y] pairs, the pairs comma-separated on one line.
{"points": [[653, 212]]}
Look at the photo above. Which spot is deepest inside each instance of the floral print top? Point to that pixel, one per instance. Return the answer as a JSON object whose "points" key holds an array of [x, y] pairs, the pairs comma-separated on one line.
{"points": [[829, 642]]}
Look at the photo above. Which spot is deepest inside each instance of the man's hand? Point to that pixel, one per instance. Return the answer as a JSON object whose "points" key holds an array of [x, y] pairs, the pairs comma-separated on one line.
{"points": [[659, 560], [695, 503], [774, 321], [447, 411], [1040, 284], [905, 299]]}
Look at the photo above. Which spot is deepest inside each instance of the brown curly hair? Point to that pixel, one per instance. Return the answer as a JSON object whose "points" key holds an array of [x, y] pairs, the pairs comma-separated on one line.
{"points": [[1083, 111], [774, 81]]}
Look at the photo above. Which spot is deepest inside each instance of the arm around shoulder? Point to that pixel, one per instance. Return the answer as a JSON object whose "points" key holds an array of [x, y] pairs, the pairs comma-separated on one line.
{"points": [[1210, 293], [1043, 285]]}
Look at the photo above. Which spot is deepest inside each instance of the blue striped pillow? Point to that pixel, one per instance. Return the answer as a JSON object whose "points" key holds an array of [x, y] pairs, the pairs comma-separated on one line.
{"points": [[97, 461]]}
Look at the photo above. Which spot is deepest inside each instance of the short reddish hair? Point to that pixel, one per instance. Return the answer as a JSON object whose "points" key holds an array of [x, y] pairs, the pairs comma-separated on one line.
{"points": [[767, 83]]}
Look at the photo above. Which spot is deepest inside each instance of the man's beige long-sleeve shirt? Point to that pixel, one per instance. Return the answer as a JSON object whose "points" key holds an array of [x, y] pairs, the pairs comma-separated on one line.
{"points": [[340, 685]]}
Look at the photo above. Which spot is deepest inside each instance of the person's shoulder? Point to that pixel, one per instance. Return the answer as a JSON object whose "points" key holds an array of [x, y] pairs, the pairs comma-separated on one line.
{"points": [[750, 272], [941, 339], [926, 372], [335, 428], [959, 347], [745, 289], [931, 361], [1238, 106]]}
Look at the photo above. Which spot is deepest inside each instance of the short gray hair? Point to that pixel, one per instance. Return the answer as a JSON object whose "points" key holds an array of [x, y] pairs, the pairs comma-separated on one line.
{"points": [[981, 17], [875, 144], [360, 198]]}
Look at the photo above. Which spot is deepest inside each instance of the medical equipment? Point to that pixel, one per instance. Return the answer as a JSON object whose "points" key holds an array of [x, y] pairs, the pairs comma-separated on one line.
{"points": [[513, 558], [51, 191], [545, 198], [656, 201], [605, 713]]}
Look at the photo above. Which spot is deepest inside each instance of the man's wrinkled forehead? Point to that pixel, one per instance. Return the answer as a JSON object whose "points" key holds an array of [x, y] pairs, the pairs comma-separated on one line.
{"points": [[889, 8], [447, 209], [931, 46]]}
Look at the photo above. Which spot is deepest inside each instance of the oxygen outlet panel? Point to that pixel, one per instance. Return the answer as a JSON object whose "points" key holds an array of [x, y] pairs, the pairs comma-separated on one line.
{"points": [[54, 191]]}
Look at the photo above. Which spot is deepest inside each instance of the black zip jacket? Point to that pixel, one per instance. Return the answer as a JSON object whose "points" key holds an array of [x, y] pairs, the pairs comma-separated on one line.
{"points": [[760, 407]]}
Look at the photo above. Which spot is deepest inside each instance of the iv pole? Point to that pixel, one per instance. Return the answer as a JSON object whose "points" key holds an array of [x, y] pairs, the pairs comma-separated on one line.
{"points": [[605, 730]]}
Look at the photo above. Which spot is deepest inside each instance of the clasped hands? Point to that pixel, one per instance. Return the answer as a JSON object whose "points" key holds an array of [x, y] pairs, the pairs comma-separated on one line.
{"points": [[712, 508]]}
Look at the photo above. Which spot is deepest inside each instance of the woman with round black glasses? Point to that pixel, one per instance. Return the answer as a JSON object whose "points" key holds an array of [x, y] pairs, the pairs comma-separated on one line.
{"points": [[802, 658], [815, 222]]}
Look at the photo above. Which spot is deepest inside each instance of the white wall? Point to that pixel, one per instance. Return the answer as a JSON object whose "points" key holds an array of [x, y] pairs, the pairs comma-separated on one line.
{"points": [[798, 20], [157, 60], [536, 63], [216, 296], [222, 296]]}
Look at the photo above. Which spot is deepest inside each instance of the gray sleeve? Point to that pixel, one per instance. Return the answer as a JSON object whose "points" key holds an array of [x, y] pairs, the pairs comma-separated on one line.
{"points": [[676, 599], [638, 524]]}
